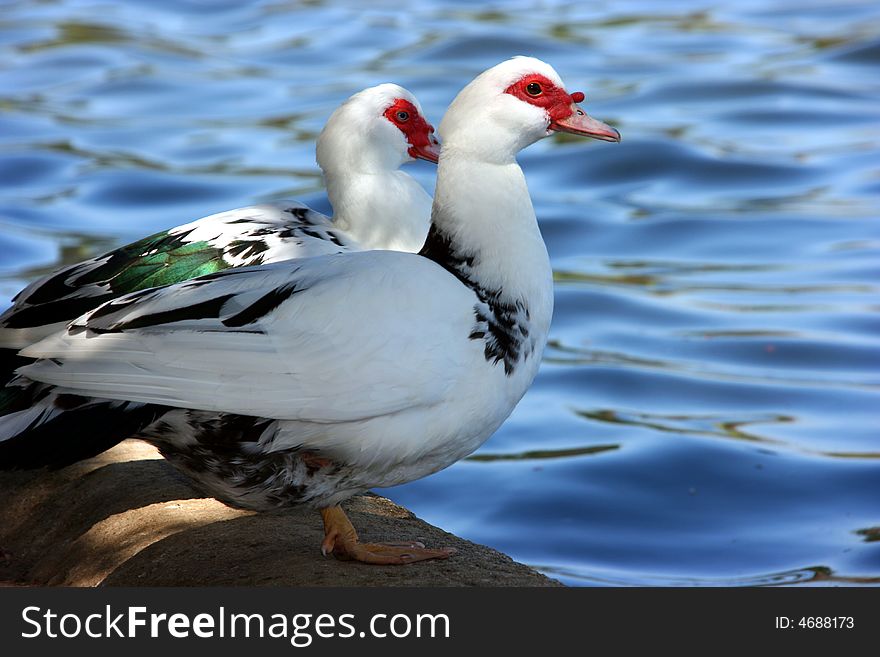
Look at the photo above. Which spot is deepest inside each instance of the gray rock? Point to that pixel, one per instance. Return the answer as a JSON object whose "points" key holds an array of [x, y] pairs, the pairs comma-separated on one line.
{"points": [[126, 518]]}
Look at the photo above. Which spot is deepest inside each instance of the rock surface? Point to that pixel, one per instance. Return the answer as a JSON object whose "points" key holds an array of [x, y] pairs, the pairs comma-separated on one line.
{"points": [[127, 518]]}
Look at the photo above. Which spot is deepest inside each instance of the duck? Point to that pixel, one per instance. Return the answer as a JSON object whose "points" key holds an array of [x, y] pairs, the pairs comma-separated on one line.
{"points": [[375, 205], [313, 380]]}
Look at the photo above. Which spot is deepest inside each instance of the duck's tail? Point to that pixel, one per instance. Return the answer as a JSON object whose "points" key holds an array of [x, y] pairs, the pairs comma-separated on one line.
{"points": [[41, 427]]}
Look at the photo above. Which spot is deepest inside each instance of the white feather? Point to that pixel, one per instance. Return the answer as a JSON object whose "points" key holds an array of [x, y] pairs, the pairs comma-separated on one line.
{"points": [[336, 340]]}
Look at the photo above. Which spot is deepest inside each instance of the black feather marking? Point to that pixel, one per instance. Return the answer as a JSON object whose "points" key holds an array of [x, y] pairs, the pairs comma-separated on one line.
{"points": [[505, 334], [263, 232], [248, 249], [502, 325], [334, 238], [56, 286], [311, 224], [209, 309], [119, 304], [263, 306], [438, 247], [227, 457], [67, 401], [227, 431], [311, 233], [301, 214], [213, 276], [52, 313]]}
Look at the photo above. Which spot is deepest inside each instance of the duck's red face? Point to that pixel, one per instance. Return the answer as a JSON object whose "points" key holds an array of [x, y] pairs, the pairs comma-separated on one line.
{"points": [[419, 134], [563, 113]]}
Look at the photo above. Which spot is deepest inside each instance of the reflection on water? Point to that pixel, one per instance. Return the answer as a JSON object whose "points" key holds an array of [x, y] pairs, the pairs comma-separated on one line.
{"points": [[869, 533], [714, 426], [688, 425], [816, 575], [707, 411], [486, 457]]}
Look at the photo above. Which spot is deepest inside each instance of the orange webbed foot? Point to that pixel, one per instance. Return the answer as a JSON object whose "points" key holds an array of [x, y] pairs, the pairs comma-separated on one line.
{"points": [[341, 540]]}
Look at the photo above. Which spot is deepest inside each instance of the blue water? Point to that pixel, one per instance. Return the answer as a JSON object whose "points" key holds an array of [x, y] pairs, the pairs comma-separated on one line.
{"points": [[708, 412]]}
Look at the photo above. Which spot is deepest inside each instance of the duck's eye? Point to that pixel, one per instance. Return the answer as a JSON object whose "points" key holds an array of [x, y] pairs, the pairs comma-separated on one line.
{"points": [[402, 116], [534, 89]]}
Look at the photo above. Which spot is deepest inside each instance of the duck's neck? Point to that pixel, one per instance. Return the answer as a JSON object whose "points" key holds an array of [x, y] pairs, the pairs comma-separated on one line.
{"points": [[383, 209], [485, 232]]}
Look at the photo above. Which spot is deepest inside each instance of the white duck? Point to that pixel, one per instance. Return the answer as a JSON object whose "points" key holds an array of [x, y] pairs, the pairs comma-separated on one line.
{"points": [[314, 380], [375, 206]]}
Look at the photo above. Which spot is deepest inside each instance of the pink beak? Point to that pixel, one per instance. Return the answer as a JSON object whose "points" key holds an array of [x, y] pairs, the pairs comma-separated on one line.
{"points": [[429, 151], [580, 123]]}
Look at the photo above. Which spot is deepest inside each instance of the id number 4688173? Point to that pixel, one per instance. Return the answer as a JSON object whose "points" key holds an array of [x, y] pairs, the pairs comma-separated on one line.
{"points": [[815, 623]]}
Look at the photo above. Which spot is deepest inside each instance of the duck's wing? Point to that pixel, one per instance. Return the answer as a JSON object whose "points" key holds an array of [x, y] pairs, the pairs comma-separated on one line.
{"points": [[236, 238], [328, 339]]}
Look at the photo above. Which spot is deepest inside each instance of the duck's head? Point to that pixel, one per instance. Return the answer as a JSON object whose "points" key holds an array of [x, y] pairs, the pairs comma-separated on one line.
{"points": [[512, 105], [379, 128]]}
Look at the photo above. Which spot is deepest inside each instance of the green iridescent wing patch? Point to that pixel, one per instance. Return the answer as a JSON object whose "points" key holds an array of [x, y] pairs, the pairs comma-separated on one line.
{"points": [[153, 261], [159, 259]]}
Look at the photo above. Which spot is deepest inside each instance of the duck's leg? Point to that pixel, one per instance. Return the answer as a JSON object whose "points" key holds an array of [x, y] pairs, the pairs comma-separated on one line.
{"points": [[341, 539]]}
